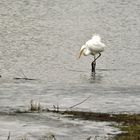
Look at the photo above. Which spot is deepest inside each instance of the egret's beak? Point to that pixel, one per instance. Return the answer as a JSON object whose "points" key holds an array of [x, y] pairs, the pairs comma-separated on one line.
{"points": [[81, 52]]}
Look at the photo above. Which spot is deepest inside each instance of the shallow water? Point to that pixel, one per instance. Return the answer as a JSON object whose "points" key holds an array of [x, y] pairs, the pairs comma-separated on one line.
{"points": [[41, 40]]}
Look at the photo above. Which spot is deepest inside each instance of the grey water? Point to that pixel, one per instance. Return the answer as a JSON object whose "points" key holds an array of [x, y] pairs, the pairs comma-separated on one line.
{"points": [[41, 40]]}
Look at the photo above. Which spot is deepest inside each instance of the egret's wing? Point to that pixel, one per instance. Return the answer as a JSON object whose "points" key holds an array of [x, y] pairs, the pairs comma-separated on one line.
{"points": [[94, 46], [96, 38]]}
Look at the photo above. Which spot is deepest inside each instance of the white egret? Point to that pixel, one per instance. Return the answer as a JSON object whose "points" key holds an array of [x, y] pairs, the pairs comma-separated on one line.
{"points": [[93, 47]]}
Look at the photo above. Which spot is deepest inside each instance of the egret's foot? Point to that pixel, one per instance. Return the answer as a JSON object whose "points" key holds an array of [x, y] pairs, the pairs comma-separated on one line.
{"points": [[93, 65]]}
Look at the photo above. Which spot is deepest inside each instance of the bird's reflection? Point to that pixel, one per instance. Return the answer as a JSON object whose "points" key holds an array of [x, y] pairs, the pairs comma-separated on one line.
{"points": [[92, 78], [95, 78]]}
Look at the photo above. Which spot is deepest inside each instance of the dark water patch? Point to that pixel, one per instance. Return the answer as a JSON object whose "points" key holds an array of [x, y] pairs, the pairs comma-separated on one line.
{"points": [[109, 69], [28, 79]]}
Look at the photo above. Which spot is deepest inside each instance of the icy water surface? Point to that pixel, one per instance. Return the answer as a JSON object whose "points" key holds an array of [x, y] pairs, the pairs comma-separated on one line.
{"points": [[41, 40]]}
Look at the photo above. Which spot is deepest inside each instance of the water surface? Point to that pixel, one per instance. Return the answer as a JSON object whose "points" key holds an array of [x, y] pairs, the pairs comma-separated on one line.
{"points": [[42, 40]]}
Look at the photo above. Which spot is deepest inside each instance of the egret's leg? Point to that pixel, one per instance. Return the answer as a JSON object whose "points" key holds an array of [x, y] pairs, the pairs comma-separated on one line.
{"points": [[97, 57], [93, 65], [94, 57]]}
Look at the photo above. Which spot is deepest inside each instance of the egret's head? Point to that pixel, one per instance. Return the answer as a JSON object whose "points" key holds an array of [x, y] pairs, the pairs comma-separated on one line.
{"points": [[82, 50]]}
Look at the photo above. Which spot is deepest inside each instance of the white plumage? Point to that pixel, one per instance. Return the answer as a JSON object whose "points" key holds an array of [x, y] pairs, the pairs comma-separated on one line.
{"points": [[92, 47]]}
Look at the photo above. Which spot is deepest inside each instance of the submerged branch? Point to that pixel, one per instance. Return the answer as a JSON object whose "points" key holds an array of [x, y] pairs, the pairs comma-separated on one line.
{"points": [[80, 102], [24, 77]]}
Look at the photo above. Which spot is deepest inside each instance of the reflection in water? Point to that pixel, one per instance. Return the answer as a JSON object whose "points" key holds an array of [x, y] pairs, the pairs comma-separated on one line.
{"points": [[92, 78], [95, 78], [109, 70]]}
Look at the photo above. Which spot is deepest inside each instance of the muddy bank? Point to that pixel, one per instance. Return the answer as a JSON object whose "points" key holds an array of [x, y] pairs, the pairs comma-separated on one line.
{"points": [[129, 124], [93, 116]]}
